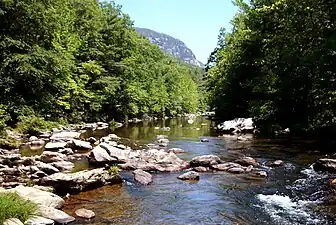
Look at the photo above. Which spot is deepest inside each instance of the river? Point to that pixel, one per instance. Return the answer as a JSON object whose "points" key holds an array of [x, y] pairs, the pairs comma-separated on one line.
{"points": [[290, 195]]}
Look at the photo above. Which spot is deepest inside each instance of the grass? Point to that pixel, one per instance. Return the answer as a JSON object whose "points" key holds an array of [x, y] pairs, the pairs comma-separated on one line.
{"points": [[13, 205], [114, 171]]}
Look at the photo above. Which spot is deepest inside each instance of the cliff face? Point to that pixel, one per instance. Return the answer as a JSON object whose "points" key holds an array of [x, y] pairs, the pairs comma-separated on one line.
{"points": [[170, 45]]}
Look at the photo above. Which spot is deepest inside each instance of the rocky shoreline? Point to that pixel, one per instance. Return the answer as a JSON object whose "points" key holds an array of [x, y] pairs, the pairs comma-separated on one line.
{"points": [[49, 175]]}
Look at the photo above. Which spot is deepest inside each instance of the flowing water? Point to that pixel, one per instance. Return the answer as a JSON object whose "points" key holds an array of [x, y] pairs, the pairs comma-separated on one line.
{"points": [[290, 195]]}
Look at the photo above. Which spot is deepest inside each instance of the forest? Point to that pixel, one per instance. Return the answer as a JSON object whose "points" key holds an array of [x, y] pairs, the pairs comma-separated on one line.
{"points": [[277, 65], [69, 61]]}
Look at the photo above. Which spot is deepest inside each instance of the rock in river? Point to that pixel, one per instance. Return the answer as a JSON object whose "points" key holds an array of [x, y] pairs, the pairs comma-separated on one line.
{"points": [[78, 144], [247, 161], [55, 145], [54, 214], [81, 181], [204, 160], [237, 126], [38, 220], [12, 221], [192, 175], [325, 165], [275, 163], [142, 177], [85, 213]]}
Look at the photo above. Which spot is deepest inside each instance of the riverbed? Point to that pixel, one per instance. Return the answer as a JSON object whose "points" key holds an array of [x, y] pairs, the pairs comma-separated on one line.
{"points": [[290, 195]]}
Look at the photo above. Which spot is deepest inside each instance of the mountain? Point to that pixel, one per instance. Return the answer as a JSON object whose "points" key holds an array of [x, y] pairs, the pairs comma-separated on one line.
{"points": [[171, 45]]}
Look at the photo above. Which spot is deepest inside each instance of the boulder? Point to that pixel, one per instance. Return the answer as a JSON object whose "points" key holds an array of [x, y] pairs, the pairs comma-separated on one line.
{"points": [[80, 181], [225, 166], [204, 160], [37, 196], [38, 143], [238, 125], [51, 146], [65, 135], [48, 169], [49, 157], [12, 221], [259, 173], [192, 175], [85, 213], [66, 151], [100, 155], [236, 170], [201, 169], [114, 152], [176, 150], [275, 163], [32, 138], [56, 215], [38, 220], [63, 165], [205, 140], [142, 177], [78, 144], [92, 140], [325, 165], [246, 161]]}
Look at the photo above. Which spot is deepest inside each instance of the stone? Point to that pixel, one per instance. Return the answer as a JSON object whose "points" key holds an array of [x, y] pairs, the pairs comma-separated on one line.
{"points": [[37, 143], [163, 140], [100, 155], [113, 137], [37, 196], [48, 169], [32, 138], [260, 173], [40, 174], [249, 168], [56, 215], [49, 157], [325, 165], [246, 161], [12, 221], [205, 140], [192, 175], [142, 177], [238, 125], [161, 136], [114, 152], [225, 166], [236, 170], [63, 165], [64, 183], [55, 146], [10, 171], [65, 135], [38, 220], [275, 163], [201, 169], [66, 151], [78, 144], [176, 150], [85, 213], [92, 140], [204, 160]]}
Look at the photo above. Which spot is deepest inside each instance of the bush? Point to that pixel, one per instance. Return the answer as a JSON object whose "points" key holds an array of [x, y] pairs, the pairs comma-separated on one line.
{"points": [[114, 171], [32, 125], [7, 142], [14, 206]]}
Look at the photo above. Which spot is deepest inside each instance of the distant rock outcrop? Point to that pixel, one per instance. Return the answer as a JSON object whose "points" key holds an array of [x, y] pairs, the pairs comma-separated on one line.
{"points": [[170, 45]]}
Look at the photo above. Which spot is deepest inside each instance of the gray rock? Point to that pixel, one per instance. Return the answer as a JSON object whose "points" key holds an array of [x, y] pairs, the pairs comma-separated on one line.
{"points": [[48, 169], [66, 151], [85, 213], [249, 168], [81, 181], [225, 166], [37, 196], [92, 140], [205, 140], [32, 138], [11, 171], [325, 165], [204, 160], [142, 177], [259, 173], [237, 126], [176, 150], [114, 152], [163, 140], [37, 143], [78, 144], [56, 215], [12, 221], [246, 161], [201, 169], [100, 155], [49, 157], [192, 175], [38, 220], [50, 146], [63, 165], [236, 170], [275, 163], [65, 135]]}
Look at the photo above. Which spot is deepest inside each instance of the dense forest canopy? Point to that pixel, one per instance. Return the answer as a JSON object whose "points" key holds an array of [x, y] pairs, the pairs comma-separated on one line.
{"points": [[81, 60], [277, 65]]}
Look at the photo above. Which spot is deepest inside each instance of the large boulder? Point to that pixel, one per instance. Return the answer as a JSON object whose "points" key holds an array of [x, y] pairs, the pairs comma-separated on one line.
{"points": [[226, 166], [38, 220], [56, 215], [142, 177], [49, 157], [63, 165], [114, 152], [65, 135], [247, 161], [78, 144], [238, 125], [204, 160], [191, 175], [325, 165], [100, 155], [41, 198], [47, 168], [81, 181], [53, 146], [12, 221]]}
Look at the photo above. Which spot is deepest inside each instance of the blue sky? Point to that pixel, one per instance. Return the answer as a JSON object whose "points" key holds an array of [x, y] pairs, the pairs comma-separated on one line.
{"points": [[195, 22]]}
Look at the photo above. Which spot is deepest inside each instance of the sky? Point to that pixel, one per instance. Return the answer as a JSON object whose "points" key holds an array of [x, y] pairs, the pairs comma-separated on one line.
{"points": [[195, 22]]}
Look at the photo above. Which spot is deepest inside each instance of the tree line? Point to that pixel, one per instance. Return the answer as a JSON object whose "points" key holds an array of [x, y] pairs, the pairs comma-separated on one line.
{"points": [[277, 65], [82, 60]]}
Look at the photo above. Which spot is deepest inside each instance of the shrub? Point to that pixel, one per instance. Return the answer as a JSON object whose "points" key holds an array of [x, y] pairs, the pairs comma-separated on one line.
{"points": [[33, 124], [14, 206], [114, 171]]}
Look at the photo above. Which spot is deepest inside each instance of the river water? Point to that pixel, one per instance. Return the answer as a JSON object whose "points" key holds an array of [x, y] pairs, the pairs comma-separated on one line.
{"points": [[292, 194]]}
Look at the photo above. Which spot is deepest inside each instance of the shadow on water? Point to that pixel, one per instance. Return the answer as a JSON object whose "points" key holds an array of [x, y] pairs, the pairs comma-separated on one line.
{"points": [[219, 197]]}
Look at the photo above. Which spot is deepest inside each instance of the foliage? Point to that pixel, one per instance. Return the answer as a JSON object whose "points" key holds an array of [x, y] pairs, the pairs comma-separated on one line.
{"points": [[83, 61], [33, 124], [114, 171], [7, 142], [14, 206], [277, 65]]}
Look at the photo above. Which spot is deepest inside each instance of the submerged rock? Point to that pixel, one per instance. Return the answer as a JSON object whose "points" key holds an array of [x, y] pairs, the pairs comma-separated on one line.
{"points": [[85, 213], [56, 215], [205, 160], [81, 181], [142, 177], [192, 175], [325, 165]]}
